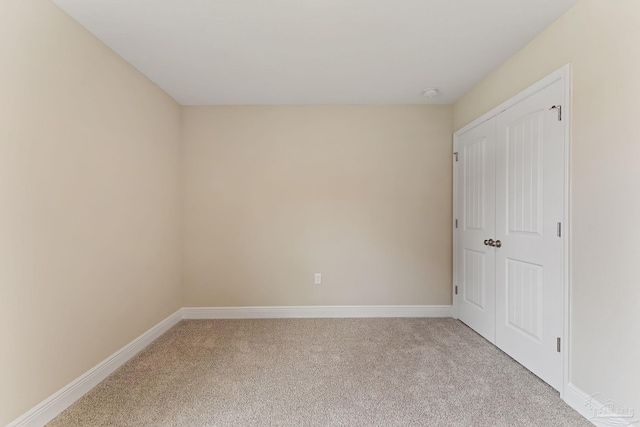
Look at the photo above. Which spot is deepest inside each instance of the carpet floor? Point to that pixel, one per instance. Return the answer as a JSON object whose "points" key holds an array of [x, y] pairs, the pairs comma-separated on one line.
{"points": [[321, 372]]}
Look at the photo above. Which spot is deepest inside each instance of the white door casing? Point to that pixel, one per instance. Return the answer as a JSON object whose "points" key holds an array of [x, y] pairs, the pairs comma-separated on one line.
{"points": [[476, 223], [531, 282], [529, 206]]}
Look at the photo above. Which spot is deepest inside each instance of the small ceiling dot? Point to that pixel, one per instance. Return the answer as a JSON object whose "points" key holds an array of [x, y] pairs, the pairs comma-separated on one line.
{"points": [[430, 93]]}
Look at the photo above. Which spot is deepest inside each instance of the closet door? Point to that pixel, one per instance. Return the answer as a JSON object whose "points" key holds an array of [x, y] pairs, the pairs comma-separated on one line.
{"points": [[476, 214], [529, 208]]}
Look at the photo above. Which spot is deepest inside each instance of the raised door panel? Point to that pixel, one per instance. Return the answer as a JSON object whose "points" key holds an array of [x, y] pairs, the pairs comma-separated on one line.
{"points": [[524, 298], [524, 175], [474, 171], [474, 274]]}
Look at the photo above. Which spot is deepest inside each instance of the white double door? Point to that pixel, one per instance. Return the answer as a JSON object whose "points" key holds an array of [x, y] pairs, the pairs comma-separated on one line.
{"points": [[509, 260]]}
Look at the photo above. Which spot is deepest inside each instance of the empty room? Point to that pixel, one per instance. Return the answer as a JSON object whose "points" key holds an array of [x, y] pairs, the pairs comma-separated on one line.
{"points": [[319, 213]]}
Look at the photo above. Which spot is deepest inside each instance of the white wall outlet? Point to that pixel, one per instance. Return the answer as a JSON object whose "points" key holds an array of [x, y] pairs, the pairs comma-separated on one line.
{"points": [[317, 279]]}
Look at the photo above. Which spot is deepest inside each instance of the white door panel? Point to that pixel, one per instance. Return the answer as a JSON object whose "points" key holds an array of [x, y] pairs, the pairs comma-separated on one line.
{"points": [[529, 206], [476, 202]]}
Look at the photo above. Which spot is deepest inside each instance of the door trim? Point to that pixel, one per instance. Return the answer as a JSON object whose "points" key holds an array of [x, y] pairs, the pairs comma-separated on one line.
{"points": [[564, 75]]}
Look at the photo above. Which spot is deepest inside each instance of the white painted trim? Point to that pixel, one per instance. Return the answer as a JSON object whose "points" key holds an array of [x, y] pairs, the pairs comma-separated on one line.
{"points": [[51, 407], [563, 74], [454, 276], [577, 399], [340, 311], [63, 398], [566, 235]]}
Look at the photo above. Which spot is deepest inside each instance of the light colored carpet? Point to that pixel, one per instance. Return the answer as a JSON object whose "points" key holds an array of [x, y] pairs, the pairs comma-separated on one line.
{"points": [[321, 372]]}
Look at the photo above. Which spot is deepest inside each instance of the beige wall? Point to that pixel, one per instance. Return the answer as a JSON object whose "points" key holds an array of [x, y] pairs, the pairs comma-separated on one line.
{"points": [[601, 40], [89, 179], [361, 194]]}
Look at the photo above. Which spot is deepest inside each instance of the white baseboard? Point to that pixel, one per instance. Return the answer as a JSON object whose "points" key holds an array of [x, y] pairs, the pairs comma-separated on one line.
{"points": [[576, 398], [338, 311], [579, 400], [63, 398]]}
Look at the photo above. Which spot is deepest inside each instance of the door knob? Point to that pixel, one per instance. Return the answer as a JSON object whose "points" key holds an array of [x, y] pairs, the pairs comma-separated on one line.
{"points": [[498, 244], [489, 242]]}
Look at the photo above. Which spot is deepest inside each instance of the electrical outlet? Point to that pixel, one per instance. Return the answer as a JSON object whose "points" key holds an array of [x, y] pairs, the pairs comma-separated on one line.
{"points": [[317, 279]]}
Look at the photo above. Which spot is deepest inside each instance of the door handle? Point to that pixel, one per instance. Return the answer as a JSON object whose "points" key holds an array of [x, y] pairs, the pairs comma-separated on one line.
{"points": [[490, 242]]}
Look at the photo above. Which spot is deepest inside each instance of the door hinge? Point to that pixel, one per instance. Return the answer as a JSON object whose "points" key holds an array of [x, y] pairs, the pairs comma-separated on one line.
{"points": [[559, 108], [456, 290], [456, 223], [456, 155], [559, 229], [558, 345]]}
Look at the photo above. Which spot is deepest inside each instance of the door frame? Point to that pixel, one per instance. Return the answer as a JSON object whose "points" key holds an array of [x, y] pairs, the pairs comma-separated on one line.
{"points": [[564, 75]]}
